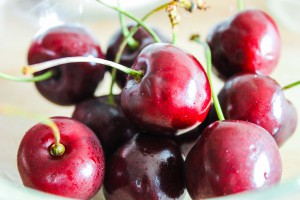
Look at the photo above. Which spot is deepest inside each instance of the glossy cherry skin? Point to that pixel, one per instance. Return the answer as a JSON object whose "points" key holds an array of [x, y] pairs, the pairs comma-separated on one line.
{"points": [[232, 157], [248, 42], [148, 167], [259, 99], [107, 121], [173, 95], [289, 124], [73, 82], [78, 173], [129, 55]]}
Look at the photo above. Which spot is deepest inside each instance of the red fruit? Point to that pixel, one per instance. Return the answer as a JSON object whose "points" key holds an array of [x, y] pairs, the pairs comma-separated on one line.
{"points": [[78, 173], [73, 82], [107, 121], [231, 157], [147, 167], [289, 124], [248, 42], [174, 93], [260, 100]]}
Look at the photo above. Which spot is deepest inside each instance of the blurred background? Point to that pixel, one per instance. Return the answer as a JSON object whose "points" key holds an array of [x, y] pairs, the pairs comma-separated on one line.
{"points": [[20, 20]]}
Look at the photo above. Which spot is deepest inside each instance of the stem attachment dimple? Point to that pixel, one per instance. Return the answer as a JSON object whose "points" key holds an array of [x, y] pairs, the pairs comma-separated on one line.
{"points": [[196, 38], [57, 150]]}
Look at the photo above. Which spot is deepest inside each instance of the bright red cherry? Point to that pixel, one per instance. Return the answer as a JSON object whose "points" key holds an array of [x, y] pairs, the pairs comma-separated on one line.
{"points": [[147, 167], [73, 82], [129, 55], [232, 157], [259, 99], [174, 93], [107, 121], [248, 42], [78, 173]]}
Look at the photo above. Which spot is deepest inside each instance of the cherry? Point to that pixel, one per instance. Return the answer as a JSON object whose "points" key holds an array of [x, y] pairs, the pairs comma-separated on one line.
{"points": [[289, 124], [173, 95], [259, 99], [231, 157], [71, 83], [129, 54], [147, 167], [77, 173], [107, 120], [247, 42]]}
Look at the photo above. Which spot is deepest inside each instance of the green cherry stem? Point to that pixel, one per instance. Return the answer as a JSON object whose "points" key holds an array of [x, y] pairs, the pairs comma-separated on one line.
{"points": [[196, 38], [151, 32], [38, 78], [30, 69], [132, 43], [57, 149], [291, 85], [240, 5], [134, 29], [174, 36], [122, 46]]}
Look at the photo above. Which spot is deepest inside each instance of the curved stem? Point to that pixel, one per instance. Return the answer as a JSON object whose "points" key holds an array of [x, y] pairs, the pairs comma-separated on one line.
{"points": [[291, 85], [134, 29], [57, 149], [122, 46], [151, 32], [137, 75], [132, 43], [38, 78], [196, 38], [240, 5]]}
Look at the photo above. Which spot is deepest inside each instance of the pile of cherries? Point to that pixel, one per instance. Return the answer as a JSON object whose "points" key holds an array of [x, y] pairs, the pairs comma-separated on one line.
{"points": [[161, 136]]}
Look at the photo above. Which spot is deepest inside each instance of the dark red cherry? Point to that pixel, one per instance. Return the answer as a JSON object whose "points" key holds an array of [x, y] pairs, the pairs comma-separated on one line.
{"points": [[108, 122], [78, 173], [232, 157], [129, 55], [173, 95], [259, 99], [248, 42], [148, 167], [73, 82]]}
